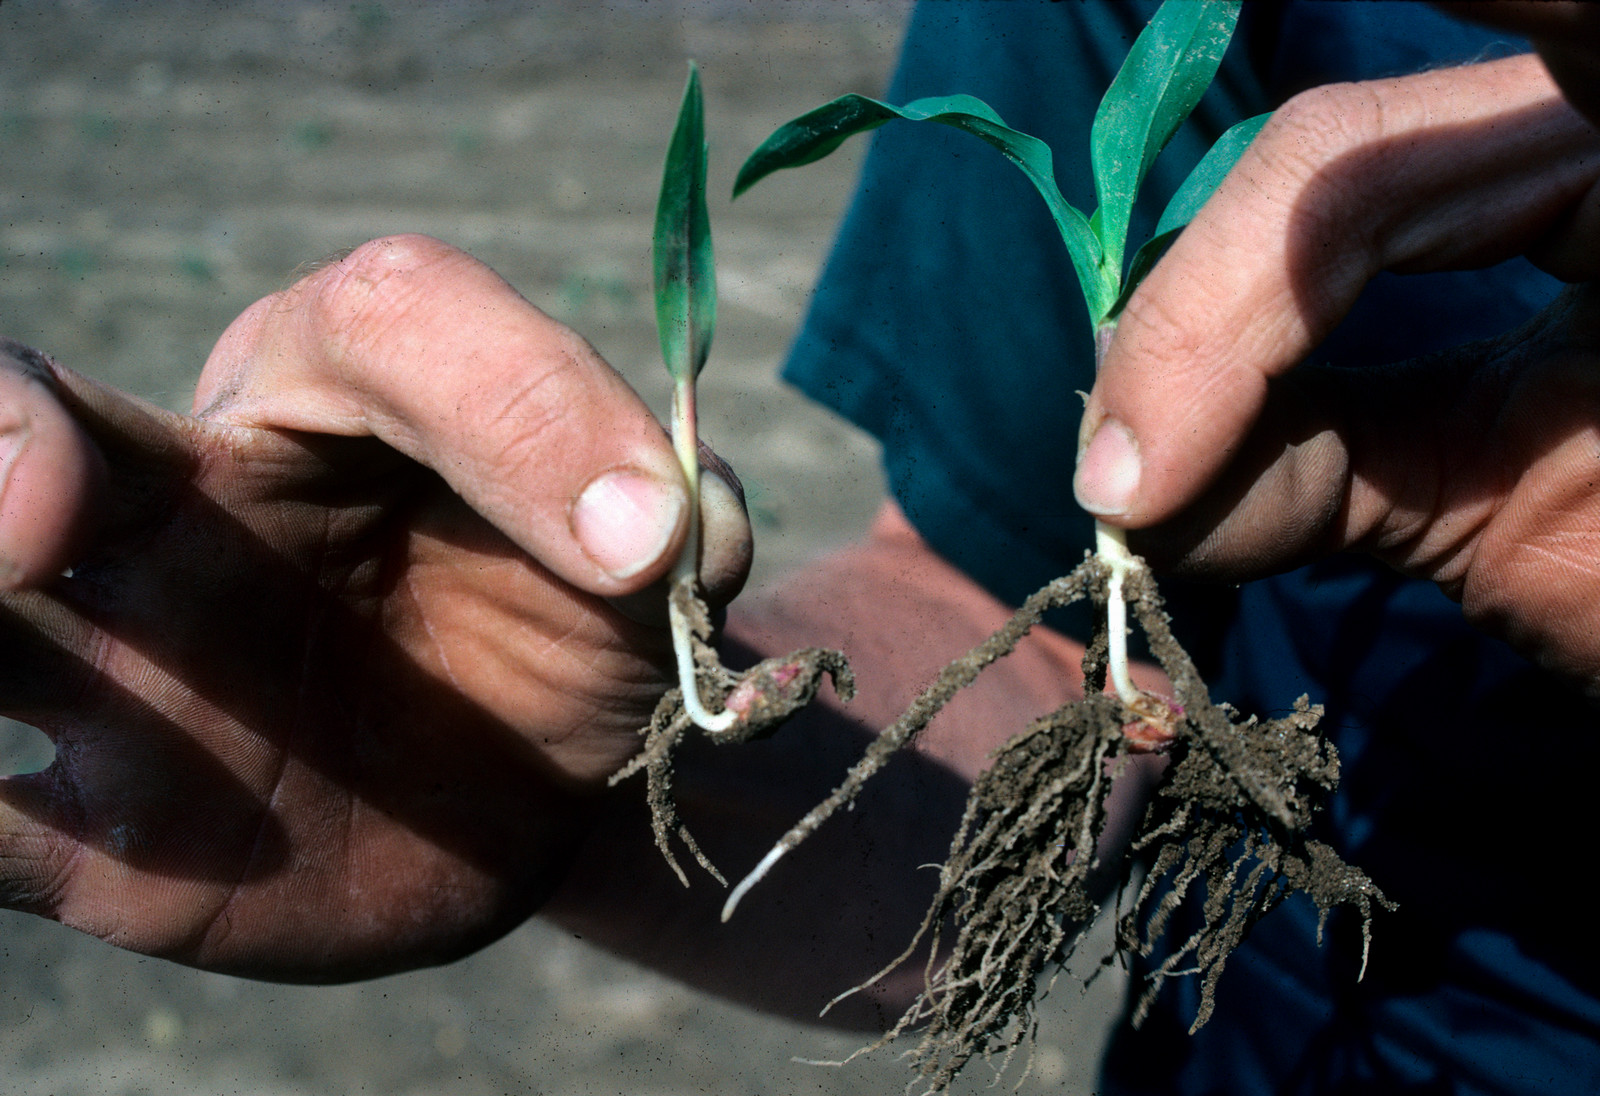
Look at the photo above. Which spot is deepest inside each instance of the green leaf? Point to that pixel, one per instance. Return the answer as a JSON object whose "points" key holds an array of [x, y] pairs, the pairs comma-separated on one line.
{"points": [[1194, 192], [1170, 66], [815, 134], [685, 271]]}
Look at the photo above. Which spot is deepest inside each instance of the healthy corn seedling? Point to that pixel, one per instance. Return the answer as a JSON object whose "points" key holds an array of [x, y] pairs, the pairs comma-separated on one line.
{"points": [[685, 280], [1167, 71], [1237, 798]]}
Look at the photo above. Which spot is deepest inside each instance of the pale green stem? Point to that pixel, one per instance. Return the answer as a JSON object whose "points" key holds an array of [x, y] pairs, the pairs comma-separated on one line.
{"points": [[686, 442], [1111, 545]]}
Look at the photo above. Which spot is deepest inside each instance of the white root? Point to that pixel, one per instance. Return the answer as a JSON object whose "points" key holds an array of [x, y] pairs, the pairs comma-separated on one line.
{"points": [[757, 874], [1111, 545], [683, 648]]}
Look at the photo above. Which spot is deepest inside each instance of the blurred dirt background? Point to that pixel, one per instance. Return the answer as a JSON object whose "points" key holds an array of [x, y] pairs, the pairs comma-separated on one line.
{"points": [[164, 165]]}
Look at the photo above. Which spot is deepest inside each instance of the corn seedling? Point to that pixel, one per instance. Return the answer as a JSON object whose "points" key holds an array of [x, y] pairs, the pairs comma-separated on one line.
{"points": [[1234, 806], [727, 708]]}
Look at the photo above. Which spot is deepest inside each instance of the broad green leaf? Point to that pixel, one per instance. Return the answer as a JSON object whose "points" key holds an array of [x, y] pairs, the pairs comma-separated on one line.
{"points": [[1170, 66], [1198, 187], [685, 273], [813, 135]]}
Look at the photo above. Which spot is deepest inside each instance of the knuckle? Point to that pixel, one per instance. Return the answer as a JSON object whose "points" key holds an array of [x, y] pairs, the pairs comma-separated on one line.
{"points": [[1324, 122], [524, 416], [1166, 336], [1312, 172], [541, 414], [1325, 126], [1348, 144], [354, 301]]}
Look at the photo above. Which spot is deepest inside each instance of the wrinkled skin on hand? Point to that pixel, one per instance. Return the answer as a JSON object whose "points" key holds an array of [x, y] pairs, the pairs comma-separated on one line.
{"points": [[334, 678], [1475, 468]]}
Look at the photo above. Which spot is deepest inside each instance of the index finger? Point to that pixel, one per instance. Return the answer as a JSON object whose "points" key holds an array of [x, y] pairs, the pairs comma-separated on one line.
{"points": [[1448, 169], [415, 342]]}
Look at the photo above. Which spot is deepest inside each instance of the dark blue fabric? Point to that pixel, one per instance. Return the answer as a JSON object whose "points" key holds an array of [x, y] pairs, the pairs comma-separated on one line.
{"points": [[948, 324]]}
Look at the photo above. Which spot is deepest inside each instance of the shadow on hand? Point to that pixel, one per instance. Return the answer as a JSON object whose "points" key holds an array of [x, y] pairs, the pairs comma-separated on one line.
{"points": [[232, 714]]}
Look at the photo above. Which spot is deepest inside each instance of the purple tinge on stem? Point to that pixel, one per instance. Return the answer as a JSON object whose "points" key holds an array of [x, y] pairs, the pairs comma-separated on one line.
{"points": [[773, 690], [1154, 725]]}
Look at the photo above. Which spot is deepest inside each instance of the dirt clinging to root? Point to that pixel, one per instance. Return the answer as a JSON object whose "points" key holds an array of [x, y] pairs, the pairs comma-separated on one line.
{"points": [[764, 697], [1019, 888]]}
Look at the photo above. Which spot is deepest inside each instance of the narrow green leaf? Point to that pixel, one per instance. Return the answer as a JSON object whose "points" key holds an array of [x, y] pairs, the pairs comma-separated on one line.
{"points": [[815, 134], [685, 272], [1208, 174], [1199, 186], [1170, 66]]}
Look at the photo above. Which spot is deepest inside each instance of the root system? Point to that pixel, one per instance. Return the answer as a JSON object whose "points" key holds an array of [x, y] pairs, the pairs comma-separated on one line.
{"points": [[1019, 887]]}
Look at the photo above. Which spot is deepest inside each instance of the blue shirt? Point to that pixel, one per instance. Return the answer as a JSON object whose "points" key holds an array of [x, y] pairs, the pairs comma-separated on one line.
{"points": [[947, 323]]}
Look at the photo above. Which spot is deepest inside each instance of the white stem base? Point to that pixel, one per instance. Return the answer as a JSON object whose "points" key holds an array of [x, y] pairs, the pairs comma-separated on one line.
{"points": [[683, 649], [685, 441], [1111, 545]]}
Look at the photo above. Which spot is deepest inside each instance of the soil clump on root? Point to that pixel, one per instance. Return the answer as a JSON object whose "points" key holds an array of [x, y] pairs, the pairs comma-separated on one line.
{"points": [[763, 698], [1019, 888]]}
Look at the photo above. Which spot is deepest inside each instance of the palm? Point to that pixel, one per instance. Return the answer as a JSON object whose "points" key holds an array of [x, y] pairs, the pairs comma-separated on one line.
{"points": [[315, 718], [1514, 530]]}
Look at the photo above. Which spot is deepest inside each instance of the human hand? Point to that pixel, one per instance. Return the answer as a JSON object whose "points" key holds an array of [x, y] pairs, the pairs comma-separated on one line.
{"points": [[1470, 469], [334, 676]]}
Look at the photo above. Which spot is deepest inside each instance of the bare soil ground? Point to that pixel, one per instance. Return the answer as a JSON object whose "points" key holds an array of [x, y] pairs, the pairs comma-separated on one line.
{"points": [[163, 166]]}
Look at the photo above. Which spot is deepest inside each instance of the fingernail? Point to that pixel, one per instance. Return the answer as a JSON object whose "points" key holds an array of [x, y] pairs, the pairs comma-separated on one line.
{"points": [[1108, 471], [625, 520]]}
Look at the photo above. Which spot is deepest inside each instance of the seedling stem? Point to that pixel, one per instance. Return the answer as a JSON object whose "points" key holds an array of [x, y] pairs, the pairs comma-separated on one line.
{"points": [[1111, 545], [686, 316], [685, 574]]}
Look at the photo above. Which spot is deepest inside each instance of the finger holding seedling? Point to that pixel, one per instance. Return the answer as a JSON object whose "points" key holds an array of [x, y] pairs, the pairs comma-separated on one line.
{"points": [[359, 584], [1344, 182]]}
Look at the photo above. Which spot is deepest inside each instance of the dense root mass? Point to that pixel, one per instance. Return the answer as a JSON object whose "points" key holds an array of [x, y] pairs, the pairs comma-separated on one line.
{"points": [[1020, 885]]}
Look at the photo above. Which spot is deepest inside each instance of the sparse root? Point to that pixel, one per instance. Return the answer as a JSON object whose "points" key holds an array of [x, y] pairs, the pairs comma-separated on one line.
{"points": [[662, 734], [759, 701]]}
